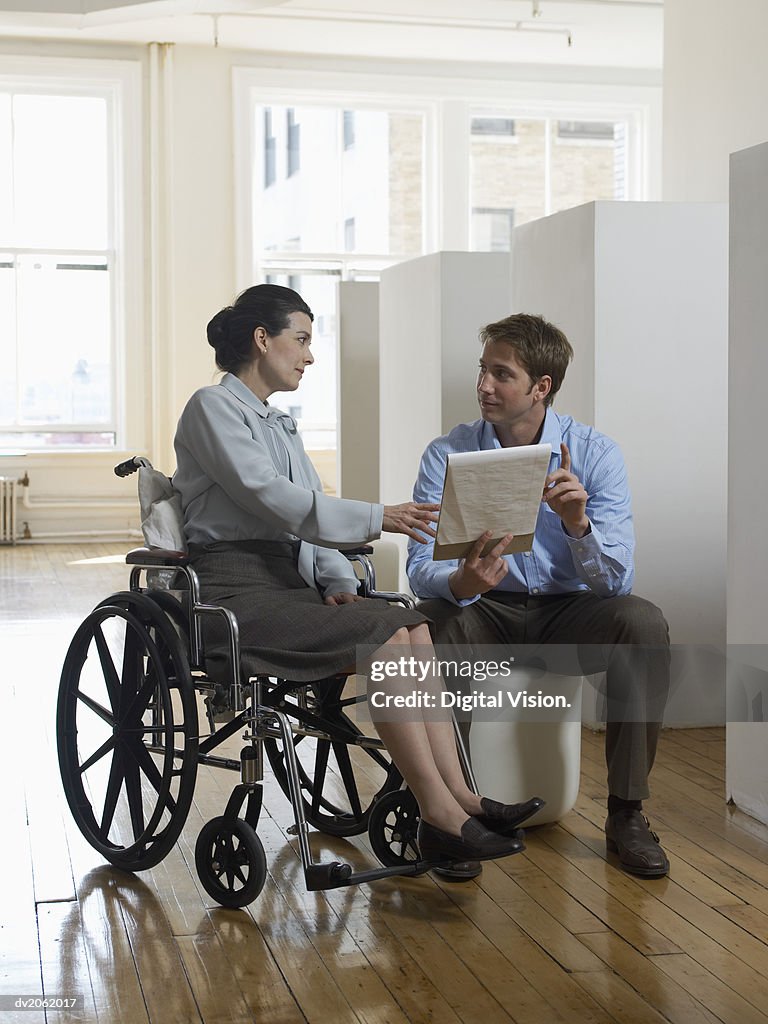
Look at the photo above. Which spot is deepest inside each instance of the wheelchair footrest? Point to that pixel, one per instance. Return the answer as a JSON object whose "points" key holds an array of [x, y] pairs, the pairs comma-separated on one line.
{"points": [[337, 875], [327, 876]]}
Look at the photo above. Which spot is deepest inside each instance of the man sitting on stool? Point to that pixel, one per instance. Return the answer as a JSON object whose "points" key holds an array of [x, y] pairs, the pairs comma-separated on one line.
{"points": [[574, 586]]}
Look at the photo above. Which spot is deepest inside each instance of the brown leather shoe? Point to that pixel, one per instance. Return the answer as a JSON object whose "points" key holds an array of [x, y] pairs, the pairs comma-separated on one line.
{"points": [[628, 833]]}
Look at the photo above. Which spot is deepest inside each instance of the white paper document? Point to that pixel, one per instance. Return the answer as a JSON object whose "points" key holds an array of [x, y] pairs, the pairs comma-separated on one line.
{"points": [[498, 490]]}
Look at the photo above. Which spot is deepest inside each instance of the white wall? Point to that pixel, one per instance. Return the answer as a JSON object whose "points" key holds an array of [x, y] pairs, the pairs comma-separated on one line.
{"points": [[747, 733], [641, 292], [201, 246], [715, 84]]}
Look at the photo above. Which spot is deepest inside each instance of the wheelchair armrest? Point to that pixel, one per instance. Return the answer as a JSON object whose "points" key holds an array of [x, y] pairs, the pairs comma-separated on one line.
{"points": [[366, 549], [393, 598], [157, 556]]}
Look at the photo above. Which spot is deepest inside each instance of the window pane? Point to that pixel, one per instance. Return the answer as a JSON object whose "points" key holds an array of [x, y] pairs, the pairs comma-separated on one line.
{"points": [[16, 440], [6, 170], [493, 126], [587, 160], [7, 339], [492, 230], [60, 171], [326, 175], [507, 174], [538, 167], [64, 341]]}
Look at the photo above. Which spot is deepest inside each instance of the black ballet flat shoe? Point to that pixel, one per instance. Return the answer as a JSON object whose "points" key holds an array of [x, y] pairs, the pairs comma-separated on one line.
{"points": [[474, 843], [504, 819]]}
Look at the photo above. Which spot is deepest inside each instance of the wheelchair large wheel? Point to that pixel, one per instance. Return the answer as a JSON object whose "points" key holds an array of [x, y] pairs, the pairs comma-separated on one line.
{"points": [[230, 861], [127, 731], [339, 777], [392, 828]]}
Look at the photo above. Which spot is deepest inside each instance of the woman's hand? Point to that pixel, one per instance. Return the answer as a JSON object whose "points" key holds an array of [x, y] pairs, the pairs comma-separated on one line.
{"points": [[409, 518], [342, 598]]}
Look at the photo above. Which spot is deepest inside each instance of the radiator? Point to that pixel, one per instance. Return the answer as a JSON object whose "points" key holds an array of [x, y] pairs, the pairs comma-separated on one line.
{"points": [[7, 510]]}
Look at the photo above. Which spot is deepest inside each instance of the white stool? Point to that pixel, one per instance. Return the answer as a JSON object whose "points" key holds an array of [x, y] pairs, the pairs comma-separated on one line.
{"points": [[520, 752]]}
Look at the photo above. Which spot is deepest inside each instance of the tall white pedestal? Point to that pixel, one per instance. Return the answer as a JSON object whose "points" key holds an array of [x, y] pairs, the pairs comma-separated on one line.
{"points": [[431, 310], [358, 377], [640, 289], [747, 728]]}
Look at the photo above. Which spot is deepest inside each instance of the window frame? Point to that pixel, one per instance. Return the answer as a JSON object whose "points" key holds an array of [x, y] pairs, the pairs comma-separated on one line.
{"points": [[447, 103], [253, 88], [119, 83]]}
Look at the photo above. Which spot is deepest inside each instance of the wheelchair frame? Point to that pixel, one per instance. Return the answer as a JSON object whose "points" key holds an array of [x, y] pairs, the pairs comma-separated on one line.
{"points": [[228, 850]]}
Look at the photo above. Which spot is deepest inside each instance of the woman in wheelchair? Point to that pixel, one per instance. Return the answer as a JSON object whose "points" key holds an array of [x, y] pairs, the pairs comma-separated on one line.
{"points": [[265, 542]]}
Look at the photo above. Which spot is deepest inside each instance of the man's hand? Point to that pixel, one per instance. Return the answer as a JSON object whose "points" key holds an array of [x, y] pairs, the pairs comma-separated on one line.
{"points": [[478, 573], [410, 517], [342, 598], [565, 494]]}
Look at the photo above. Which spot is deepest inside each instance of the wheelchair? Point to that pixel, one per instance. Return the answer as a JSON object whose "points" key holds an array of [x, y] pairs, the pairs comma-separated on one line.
{"points": [[134, 679]]}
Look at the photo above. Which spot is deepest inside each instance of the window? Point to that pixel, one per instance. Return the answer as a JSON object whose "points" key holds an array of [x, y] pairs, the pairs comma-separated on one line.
{"points": [[351, 204], [492, 126], [556, 164], [293, 152], [599, 131], [349, 129], [270, 150], [61, 220], [492, 230], [349, 234], [389, 169]]}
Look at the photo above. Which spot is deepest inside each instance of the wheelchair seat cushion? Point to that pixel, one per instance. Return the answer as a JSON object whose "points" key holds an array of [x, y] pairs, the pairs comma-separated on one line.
{"points": [[285, 627]]}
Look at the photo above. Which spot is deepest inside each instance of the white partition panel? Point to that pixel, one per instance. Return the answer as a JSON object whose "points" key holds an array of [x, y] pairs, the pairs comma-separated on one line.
{"points": [[358, 392], [747, 729], [641, 291], [431, 310]]}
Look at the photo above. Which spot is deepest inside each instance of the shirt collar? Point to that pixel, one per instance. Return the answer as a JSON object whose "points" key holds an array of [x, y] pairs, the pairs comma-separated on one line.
{"points": [[551, 434], [243, 393]]}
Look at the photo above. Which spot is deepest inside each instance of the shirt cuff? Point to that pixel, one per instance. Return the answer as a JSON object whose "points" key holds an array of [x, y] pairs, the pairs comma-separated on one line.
{"points": [[443, 587], [587, 548], [377, 520], [340, 586]]}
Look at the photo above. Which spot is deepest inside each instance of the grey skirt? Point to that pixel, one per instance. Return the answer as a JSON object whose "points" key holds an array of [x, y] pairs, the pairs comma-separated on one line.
{"points": [[285, 627]]}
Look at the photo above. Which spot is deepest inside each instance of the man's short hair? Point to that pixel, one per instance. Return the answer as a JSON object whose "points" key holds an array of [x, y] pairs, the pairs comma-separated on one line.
{"points": [[540, 347]]}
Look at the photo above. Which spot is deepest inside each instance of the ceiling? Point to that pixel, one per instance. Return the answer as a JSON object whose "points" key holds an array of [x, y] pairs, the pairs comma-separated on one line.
{"points": [[617, 33]]}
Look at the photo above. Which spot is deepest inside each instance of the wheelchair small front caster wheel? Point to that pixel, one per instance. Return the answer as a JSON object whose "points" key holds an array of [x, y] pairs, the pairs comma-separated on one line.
{"points": [[230, 861], [392, 828]]}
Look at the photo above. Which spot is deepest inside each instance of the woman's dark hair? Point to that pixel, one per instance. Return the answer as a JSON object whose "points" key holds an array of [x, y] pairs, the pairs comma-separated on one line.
{"points": [[230, 332]]}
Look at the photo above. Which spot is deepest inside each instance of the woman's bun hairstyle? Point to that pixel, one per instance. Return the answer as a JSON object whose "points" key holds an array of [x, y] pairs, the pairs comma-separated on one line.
{"points": [[230, 332]]}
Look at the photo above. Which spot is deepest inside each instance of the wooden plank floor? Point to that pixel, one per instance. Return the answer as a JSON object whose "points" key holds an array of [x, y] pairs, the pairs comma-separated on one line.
{"points": [[558, 933]]}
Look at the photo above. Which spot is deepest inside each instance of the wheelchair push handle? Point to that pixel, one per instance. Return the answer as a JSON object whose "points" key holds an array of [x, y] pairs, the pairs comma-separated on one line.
{"points": [[131, 465]]}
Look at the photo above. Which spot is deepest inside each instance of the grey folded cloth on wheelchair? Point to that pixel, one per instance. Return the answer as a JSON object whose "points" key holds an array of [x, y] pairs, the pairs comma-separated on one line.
{"points": [[162, 521]]}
